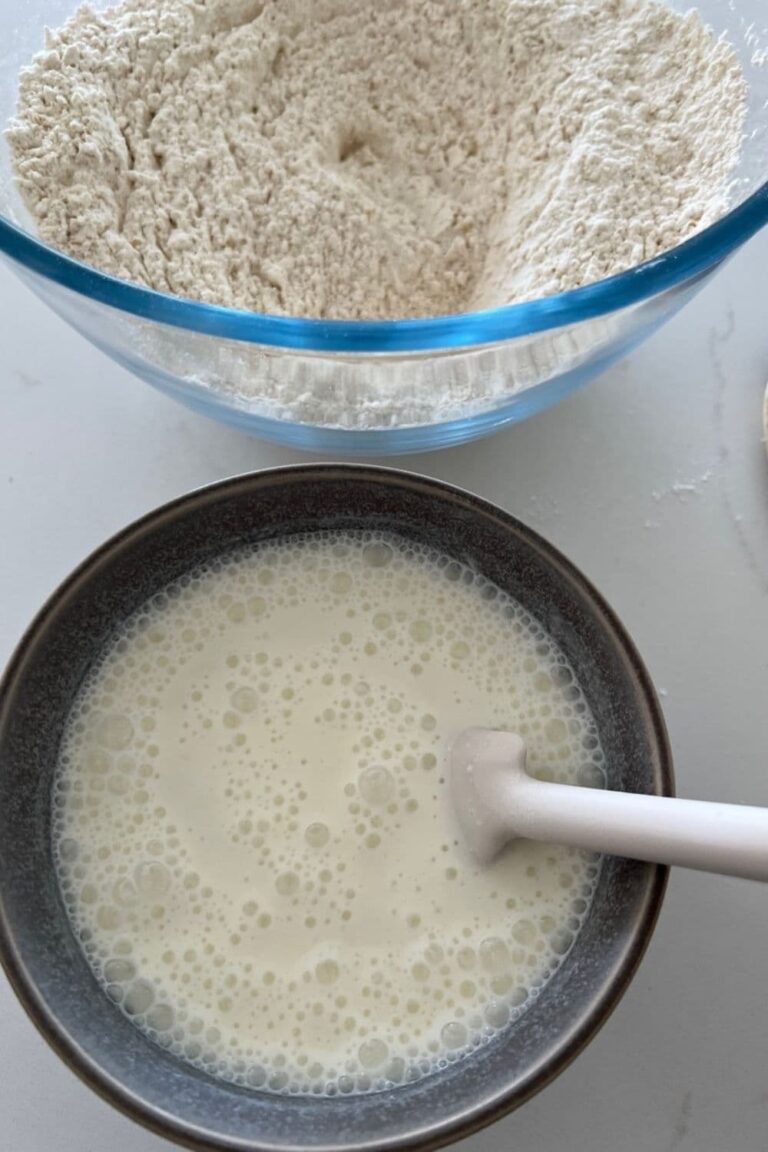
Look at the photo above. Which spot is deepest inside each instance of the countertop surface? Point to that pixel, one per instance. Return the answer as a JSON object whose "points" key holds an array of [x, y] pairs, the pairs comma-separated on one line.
{"points": [[654, 480]]}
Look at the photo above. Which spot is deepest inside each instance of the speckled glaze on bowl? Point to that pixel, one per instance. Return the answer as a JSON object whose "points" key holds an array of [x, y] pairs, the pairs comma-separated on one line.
{"points": [[39, 951]]}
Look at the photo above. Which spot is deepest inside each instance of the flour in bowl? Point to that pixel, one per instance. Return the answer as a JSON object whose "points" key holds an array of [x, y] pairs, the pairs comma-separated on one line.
{"points": [[376, 159]]}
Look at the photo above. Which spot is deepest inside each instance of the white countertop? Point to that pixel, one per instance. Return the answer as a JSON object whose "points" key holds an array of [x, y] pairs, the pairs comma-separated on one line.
{"points": [[654, 480]]}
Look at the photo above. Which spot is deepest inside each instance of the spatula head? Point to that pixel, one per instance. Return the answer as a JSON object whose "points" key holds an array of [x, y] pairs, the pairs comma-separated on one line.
{"points": [[485, 765]]}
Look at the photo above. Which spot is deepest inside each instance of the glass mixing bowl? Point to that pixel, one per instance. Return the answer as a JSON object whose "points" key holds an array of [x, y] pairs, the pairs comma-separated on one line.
{"points": [[491, 368]]}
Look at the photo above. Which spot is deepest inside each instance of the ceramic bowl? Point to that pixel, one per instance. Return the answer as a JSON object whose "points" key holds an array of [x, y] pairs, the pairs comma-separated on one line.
{"points": [[42, 956]]}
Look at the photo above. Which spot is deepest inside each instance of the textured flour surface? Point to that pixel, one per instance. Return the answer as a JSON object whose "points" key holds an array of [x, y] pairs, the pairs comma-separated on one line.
{"points": [[376, 159]]}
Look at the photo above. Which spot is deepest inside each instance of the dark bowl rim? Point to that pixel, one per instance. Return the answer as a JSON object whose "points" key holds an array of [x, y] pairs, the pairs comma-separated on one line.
{"points": [[173, 1128]]}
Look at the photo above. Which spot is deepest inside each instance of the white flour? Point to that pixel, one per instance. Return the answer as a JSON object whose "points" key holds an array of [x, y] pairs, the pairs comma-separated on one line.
{"points": [[376, 159]]}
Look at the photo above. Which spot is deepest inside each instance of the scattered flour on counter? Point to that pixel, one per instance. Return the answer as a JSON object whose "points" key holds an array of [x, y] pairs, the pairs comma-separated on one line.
{"points": [[376, 159]]}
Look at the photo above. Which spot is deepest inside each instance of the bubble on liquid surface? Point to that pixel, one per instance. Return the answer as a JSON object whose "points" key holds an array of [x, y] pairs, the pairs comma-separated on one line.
{"points": [[287, 883], [373, 1053], [377, 785], [119, 971], [139, 997], [494, 955], [252, 828], [378, 554], [317, 835], [245, 700], [161, 1017], [327, 972], [454, 1035], [114, 731], [152, 879]]}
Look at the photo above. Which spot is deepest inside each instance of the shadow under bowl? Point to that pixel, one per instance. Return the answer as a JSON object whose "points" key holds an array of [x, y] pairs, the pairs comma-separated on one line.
{"points": [[40, 952]]}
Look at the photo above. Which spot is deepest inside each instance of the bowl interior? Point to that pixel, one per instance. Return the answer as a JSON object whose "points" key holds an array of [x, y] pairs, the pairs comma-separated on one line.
{"points": [[742, 22], [41, 955]]}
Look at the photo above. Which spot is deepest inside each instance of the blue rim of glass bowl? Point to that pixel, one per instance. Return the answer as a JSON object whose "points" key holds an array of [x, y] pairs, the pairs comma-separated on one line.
{"points": [[438, 333]]}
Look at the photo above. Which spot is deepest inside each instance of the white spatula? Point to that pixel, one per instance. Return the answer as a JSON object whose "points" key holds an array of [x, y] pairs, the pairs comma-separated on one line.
{"points": [[496, 801]]}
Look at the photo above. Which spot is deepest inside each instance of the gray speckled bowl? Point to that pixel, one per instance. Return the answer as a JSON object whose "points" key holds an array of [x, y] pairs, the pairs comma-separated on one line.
{"points": [[37, 947]]}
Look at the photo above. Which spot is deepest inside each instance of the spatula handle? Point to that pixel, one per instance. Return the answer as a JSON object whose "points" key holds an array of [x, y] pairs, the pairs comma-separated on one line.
{"points": [[727, 838]]}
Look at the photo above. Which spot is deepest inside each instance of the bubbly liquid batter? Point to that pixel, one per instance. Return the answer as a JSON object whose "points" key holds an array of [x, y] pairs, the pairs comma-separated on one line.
{"points": [[252, 822]]}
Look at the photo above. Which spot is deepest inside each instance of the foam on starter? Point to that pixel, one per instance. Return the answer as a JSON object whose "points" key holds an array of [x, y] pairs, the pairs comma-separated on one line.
{"points": [[252, 824]]}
